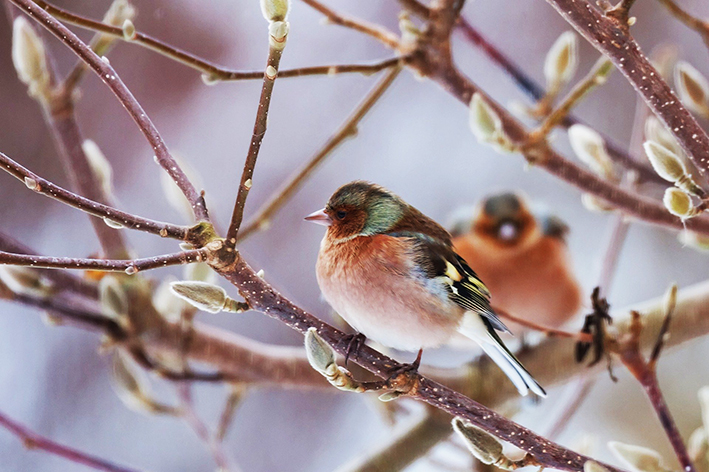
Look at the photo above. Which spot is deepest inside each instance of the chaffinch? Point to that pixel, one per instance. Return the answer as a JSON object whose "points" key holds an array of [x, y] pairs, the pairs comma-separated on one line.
{"points": [[392, 273], [523, 260]]}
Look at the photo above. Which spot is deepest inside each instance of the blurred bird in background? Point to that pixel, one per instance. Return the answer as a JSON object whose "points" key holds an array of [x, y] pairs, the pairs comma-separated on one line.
{"points": [[392, 273], [522, 258]]}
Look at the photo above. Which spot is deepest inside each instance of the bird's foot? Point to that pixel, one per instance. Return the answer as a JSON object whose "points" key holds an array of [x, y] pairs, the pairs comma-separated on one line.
{"points": [[354, 343], [402, 381]]}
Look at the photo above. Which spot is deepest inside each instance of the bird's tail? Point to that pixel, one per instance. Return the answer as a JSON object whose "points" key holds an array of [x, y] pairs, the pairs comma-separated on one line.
{"points": [[481, 331]]}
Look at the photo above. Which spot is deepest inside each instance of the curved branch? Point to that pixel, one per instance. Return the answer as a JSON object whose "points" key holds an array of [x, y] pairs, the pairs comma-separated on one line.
{"points": [[48, 189], [129, 266]]}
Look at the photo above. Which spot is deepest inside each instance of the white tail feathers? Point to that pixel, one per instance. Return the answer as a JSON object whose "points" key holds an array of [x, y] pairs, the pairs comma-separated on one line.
{"points": [[476, 329]]}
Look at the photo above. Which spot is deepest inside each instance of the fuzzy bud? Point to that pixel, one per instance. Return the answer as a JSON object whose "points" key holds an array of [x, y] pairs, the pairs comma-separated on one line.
{"points": [[206, 297], [487, 125], [29, 58], [595, 204], [129, 32], [590, 148], [26, 281], [679, 203], [665, 162], [320, 354], [119, 12], [693, 88], [638, 458], [482, 445], [656, 131], [133, 388], [561, 61], [100, 166], [275, 10], [278, 34], [113, 299]]}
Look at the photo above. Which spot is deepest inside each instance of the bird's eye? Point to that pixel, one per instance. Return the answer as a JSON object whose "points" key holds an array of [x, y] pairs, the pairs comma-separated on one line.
{"points": [[340, 215]]}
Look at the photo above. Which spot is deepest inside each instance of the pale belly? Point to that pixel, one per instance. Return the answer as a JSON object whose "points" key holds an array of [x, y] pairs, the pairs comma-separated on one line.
{"points": [[388, 307]]}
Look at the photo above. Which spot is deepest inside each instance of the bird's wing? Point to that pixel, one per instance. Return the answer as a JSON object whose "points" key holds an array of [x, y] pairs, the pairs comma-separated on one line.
{"points": [[436, 259]]}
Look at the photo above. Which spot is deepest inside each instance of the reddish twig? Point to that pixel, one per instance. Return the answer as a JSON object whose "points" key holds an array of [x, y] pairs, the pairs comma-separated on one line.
{"points": [[700, 26], [275, 52], [580, 337], [33, 440], [109, 76], [112, 265], [645, 372], [377, 32], [348, 128], [47, 188]]}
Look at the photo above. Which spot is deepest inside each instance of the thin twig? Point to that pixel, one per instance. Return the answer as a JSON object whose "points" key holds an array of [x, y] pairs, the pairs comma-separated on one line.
{"points": [[377, 32], [44, 187], [109, 76], [536, 91], [700, 26], [604, 35], [33, 440], [553, 332], [645, 373], [347, 129], [110, 265], [184, 391], [209, 69], [275, 51]]}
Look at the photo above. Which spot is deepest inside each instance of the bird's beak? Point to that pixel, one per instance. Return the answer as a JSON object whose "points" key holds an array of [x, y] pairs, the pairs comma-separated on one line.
{"points": [[319, 217]]}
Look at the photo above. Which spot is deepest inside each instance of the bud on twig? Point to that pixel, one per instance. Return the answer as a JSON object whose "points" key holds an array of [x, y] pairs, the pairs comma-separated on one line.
{"points": [[590, 148], [487, 125], [693, 88], [275, 10], [278, 34], [322, 358], [670, 167], [561, 61], [26, 281], [638, 458], [656, 131], [129, 32], [100, 166], [482, 445], [133, 388], [593, 466], [29, 58], [121, 15], [206, 297], [113, 299], [694, 240], [679, 203]]}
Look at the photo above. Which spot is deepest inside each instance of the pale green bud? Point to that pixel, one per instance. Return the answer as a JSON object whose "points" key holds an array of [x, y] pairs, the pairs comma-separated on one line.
{"points": [[320, 355], [665, 162], [679, 203], [278, 34], [692, 87], [275, 10], [204, 296], [656, 131], [129, 32], [101, 168], [25, 281], [561, 61], [29, 58], [487, 125], [486, 448], [113, 299], [590, 148], [593, 466]]}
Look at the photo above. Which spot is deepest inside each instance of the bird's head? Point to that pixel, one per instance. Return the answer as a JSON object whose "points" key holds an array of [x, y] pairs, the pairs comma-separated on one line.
{"points": [[505, 219], [360, 208]]}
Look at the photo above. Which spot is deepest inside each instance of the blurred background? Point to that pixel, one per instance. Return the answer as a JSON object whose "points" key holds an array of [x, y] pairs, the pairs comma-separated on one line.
{"points": [[416, 142]]}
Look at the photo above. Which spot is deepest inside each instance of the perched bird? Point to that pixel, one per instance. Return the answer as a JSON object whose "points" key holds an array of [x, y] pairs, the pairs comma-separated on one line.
{"points": [[523, 260], [392, 273]]}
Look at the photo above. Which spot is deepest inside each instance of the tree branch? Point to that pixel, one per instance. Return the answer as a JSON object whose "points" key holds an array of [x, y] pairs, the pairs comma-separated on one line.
{"points": [[111, 265], [109, 76], [48, 189], [701, 27], [33, 440], [606, 36]]}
